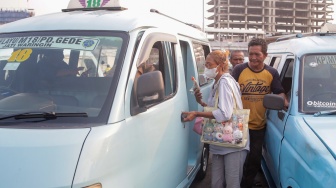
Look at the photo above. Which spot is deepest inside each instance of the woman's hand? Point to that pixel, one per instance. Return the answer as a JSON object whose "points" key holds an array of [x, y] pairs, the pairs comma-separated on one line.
{"points": [[198, 96], [189, 116]]}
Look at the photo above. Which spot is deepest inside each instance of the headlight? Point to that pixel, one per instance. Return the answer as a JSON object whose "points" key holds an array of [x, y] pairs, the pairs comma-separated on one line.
{"points": [[96, 185]]}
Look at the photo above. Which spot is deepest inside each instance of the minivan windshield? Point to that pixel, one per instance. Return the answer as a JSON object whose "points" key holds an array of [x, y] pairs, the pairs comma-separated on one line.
{"points": [[318, 80], [60, 72]]}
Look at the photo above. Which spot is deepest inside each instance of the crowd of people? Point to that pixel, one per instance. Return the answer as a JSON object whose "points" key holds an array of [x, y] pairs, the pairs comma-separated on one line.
{"points": [[233, 167]]}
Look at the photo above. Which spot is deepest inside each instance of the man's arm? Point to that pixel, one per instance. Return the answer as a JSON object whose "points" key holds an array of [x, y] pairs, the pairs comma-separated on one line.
{"points": [[283, 95], [276, 86]]}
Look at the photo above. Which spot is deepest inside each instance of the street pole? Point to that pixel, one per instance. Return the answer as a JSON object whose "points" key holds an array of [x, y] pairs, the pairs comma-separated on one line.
{"points": [[203, 15]]}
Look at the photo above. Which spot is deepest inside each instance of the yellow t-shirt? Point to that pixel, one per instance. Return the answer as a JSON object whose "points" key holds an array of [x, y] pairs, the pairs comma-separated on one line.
{"points": [[254, 86], [107, 69]]}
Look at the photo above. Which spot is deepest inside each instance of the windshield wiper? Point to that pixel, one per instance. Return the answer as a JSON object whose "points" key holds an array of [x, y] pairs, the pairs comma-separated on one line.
{"points": [[45, 115], [327, 112]]}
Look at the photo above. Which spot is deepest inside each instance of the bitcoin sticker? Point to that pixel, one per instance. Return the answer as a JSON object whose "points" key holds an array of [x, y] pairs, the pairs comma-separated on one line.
{"points": [[20, 55]]}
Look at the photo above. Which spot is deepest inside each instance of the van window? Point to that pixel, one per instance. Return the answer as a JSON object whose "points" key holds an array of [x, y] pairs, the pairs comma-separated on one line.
{"points": [[318, 85], [65, 70], [267, 60], [201, 51], [161, 58], [169, 69], [286, 77], [275, 62]]}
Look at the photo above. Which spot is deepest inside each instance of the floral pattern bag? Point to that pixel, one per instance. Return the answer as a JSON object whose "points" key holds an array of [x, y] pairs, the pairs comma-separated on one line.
{"points": [[232, 133]]}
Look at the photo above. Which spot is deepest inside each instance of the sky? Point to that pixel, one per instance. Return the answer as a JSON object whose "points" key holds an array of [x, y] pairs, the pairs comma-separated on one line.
{"points": [[190, 11]]}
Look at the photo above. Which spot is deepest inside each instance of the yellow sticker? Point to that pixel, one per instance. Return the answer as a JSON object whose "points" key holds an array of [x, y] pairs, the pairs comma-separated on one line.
{"points": [[20, 55]]}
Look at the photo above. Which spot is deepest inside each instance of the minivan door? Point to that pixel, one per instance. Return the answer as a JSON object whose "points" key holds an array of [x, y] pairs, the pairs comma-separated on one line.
{"points": [[194, 53], [276, 121], [157, 98]]}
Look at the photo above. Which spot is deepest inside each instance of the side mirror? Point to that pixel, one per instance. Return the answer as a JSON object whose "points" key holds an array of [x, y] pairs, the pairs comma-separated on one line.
{"points": [[150, 88], [273, 102]]}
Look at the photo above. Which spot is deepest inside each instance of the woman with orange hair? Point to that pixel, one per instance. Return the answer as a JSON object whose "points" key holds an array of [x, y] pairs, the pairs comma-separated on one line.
{"points": [[227, 162]]}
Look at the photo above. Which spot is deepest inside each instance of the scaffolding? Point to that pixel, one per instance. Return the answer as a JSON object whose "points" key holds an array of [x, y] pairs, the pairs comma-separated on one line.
{"points": [[11, 15], [271, 16]]}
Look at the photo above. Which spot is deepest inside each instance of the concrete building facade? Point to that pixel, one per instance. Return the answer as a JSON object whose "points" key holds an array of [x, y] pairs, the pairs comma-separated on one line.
{"points": [[270, 17], [10, 15]]}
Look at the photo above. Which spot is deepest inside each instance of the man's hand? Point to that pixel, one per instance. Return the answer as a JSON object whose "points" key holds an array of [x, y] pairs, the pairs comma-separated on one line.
{"points": [[286, 104]]}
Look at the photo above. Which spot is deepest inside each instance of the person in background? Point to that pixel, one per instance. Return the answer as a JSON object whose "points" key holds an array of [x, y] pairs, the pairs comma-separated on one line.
{"points": [[227, 162], [236, 57], [108, 68], [256, 79]]}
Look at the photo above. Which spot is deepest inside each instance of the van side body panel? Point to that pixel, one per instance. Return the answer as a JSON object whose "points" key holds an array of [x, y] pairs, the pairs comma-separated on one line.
{"points": [[48, 157], [299, 150]]}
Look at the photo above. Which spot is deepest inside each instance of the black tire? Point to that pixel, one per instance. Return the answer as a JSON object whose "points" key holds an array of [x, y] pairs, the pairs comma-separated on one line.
{"points": [[204, 163]]}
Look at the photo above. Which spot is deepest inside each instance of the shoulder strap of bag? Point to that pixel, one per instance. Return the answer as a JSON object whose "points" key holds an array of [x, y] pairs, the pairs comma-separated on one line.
{"points": [[216, 98], [234, 96]]}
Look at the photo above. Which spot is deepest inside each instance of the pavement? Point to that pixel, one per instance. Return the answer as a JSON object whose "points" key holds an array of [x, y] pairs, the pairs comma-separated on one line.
{"points": [[206, 182]]}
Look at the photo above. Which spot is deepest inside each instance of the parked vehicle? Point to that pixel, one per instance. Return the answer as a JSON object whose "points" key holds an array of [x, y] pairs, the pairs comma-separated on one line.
{"points": [[300, 146], [75, 123]]}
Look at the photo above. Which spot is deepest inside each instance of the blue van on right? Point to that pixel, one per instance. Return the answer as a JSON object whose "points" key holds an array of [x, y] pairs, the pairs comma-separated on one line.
{"points": [[300, 141]]}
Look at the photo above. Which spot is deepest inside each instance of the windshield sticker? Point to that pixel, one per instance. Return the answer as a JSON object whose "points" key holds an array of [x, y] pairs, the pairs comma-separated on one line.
{"points": [[321, 104], [20, 55], [327, 59], [11, 66], [76, 43]]}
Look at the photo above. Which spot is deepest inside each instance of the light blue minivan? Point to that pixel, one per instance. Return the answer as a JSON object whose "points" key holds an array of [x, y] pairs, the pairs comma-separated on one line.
{"points": [[92, 97], [300, 143]]}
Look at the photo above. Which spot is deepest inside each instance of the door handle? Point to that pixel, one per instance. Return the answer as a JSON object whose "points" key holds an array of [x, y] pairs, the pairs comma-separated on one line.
{"points": [[182, 117]]}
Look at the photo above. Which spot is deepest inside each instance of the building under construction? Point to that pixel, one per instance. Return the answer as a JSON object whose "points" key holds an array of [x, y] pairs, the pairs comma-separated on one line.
{"points": [[272, 17], [11, 15]]}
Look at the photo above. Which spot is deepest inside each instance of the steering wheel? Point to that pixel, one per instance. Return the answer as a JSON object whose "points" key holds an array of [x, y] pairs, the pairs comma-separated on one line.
{"points": [[85, 73]]}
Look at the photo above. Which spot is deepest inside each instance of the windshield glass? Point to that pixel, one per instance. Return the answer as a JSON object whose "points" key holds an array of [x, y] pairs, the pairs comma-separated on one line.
{"points": [[67, 73], [318, 83]]}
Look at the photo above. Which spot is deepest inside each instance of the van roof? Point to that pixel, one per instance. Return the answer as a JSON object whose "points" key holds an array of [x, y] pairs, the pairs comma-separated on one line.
{"points": [[102, 20], [315, 43]]}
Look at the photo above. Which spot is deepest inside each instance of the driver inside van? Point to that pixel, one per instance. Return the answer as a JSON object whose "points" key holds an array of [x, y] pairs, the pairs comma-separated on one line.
{"points": [[52, 65], [151, 64], [146, 67]]}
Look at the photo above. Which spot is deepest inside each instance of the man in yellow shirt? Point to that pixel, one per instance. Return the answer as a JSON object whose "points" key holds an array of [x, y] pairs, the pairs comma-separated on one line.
{"points": [[108, 68], [256, 79]]}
